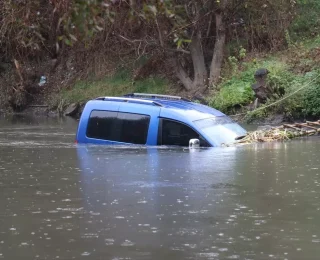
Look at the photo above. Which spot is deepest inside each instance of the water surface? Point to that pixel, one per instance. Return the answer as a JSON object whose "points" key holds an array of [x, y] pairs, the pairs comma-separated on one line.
{"points": [[62, 201]]}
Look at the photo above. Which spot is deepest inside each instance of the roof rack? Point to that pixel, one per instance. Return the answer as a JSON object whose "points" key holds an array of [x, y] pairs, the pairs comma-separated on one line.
{"points": [[145, 95], [130, 100]]}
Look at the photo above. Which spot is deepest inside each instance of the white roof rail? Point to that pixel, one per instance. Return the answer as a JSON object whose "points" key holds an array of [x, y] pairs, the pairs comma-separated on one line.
{"points": [[129, 100], [147, 95]]}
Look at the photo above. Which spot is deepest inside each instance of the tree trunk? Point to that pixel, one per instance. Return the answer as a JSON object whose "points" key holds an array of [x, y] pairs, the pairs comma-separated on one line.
{"points": [[200, 80], [218, 53], [183, 76], [200, 71]]}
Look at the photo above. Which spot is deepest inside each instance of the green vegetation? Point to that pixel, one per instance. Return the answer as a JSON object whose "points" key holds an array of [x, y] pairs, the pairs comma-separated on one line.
{"points": [[311, 98], [290, 70], [116, 85], [216, 45], [296, 102], [176, 33], [234, 92], [237, 90], [307, 22]]}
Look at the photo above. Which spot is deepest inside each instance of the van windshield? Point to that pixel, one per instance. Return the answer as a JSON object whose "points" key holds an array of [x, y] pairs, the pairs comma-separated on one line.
{"points": [[221, 130]]}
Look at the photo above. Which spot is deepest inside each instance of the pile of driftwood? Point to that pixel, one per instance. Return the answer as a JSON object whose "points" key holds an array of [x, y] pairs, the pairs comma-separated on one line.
{"points": [[281, 133]]}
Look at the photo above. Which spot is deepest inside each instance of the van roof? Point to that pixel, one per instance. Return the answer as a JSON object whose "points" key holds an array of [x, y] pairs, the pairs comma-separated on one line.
{"points": [[170, 102], [188, 105]]}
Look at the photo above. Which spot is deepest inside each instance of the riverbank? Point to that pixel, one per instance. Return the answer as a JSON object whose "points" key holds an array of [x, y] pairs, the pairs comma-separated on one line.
{"points": [[51, 66], [294, 70]]}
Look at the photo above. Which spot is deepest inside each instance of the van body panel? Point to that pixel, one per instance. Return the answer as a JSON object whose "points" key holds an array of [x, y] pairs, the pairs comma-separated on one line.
{"points": [[201, 119]]}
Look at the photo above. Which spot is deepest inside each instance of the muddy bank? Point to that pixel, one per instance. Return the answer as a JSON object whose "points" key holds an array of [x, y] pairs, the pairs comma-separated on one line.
{"points": [[42, 111]]}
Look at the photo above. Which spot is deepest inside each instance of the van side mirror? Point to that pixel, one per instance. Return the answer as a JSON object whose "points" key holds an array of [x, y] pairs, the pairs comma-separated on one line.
{"points": [[194, 143]]}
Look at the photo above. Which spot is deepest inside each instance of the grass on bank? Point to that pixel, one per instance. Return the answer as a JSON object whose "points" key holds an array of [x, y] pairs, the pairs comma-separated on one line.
{"points": [[118, 84]]}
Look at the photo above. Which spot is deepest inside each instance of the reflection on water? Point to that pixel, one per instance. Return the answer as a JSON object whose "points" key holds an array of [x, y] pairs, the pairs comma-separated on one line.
{"points": [[62, 201]]}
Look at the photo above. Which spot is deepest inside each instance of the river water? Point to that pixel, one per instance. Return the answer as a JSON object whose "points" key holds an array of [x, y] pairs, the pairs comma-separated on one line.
{"points": [[62, 201]]}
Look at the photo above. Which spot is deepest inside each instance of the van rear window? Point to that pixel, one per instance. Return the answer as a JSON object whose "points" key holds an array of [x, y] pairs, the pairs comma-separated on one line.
{"points": [[118, 126]]}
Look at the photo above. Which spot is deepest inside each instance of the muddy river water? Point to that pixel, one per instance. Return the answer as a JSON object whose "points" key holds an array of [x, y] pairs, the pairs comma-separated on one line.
{"points": [[59, 200]]}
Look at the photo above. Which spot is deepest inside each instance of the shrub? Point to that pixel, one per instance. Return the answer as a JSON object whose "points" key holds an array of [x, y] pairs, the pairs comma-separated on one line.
{"points": [[302, 98], [234, 93], [237, 91], [307, 22], [311, 98]]}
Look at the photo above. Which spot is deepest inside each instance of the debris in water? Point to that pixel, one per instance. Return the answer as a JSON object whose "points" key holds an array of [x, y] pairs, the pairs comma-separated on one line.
{"points": [[127, 243], [280, 133], [109, 241]]}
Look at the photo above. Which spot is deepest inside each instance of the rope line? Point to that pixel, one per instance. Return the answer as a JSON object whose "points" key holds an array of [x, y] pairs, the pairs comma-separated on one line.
{"points": [[280, 100]]}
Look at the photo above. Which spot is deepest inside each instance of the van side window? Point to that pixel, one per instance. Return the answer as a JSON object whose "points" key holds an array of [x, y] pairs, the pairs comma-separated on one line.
{"points": [[175, 133], [133, 128], [102, 125], [118, 127]]}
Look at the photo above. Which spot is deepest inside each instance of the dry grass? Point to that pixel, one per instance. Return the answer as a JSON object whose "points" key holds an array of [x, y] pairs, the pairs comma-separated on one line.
{"points": [[267, 136]]}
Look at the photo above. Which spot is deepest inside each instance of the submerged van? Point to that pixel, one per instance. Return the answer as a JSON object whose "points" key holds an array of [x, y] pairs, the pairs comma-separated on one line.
{"points": [[148, 119]]}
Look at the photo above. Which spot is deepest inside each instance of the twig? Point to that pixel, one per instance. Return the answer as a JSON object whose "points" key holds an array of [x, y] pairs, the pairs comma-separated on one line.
{"points": [[16, 63], [209, 26], [159, 32]]}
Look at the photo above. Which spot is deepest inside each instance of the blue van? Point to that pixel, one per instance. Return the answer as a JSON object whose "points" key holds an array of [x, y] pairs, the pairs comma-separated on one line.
{"points": [[148, 119]]}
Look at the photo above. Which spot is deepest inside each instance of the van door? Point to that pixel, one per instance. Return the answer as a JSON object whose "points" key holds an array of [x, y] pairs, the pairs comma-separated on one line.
{"points": [[176, 133], [139, 123]]}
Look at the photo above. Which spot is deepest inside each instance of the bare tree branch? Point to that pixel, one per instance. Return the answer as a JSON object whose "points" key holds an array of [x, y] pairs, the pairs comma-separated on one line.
{"points": [[159, 32], [153, 43]]}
